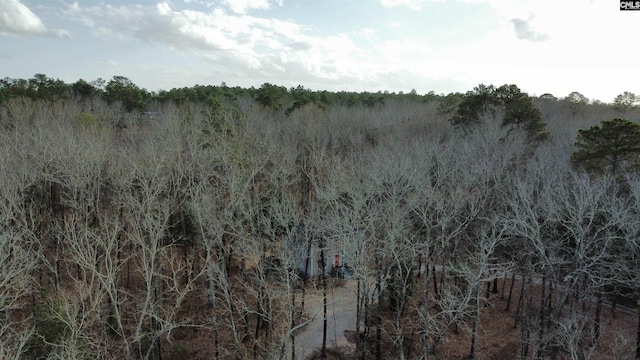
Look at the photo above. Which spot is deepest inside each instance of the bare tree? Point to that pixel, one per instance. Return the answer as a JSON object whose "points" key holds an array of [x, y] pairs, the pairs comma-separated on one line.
{"points": [[18, 257], [633, 250]]}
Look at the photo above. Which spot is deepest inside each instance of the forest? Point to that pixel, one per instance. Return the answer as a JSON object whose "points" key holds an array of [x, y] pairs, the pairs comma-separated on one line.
{"points": [[184, 224]]}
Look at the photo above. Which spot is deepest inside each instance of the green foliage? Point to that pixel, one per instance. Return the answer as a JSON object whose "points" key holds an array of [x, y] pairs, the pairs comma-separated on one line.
{"points": [[548, 96], [13, 88], [86, 119], [613, 147], [298, 104], [47, 88], [90, 123], [519, 110], [52, 326], [83, 89], [200, 93], [450, 104], [576, 102], [577, 98], [474, 105], [219, 122], [271, 96], [372, 101], [302, 97], [38, 87], [121, 89], [624, 102]]}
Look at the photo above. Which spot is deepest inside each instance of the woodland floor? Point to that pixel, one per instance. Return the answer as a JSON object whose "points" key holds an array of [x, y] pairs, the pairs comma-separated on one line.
{"points": [[498, 338]]}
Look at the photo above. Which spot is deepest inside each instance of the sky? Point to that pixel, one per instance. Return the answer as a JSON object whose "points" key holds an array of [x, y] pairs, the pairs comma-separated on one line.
{"points": [[542, 46]]}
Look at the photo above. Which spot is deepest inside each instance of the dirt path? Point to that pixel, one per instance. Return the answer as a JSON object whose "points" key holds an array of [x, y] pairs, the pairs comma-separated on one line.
{"points": [[341, 316]]}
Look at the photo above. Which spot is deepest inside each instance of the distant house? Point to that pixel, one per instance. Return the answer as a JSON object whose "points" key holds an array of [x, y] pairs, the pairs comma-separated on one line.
{"points": [[149, 115], [336, 258]]}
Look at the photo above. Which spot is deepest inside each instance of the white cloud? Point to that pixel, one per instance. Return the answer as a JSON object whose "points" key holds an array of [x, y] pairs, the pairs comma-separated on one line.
{"points": [[412, 4], [238, 43], [524, 31], [237, 6], [108, 63], [17, 19], [578, 20], [241, 6], [543, 44]]}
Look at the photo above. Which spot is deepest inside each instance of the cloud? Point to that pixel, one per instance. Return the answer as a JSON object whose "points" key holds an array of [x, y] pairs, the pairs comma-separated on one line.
{"points": [[412, 4], [237, 6], [525, 32], [236, 43], [108, 63], [241, 6], [17, 19], [300, 46]]}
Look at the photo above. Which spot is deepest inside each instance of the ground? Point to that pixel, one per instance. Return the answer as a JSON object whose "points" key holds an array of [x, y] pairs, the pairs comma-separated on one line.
{"points": [[498, 338]]}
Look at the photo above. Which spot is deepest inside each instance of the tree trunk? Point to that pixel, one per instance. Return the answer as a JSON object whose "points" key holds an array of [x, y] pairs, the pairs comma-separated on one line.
{"points": [[187, 268], [529, 313], [293, 322], [425, 309], [129, 265], [520, 305], [541, 318], [476, 320], [488, 294], [159, 348], [358, 317], [245, 290], [504, 284], [306, 275], [638, 333], [443, 274], [379, 314], [513, 279], [524, 348], [598, 319], [550, 302], [435, 279], [212, 295], [366, 328], [324, 303]]}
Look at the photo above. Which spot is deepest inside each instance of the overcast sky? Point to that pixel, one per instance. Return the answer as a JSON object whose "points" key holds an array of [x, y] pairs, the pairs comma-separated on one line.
{"points": [[542, 46]]}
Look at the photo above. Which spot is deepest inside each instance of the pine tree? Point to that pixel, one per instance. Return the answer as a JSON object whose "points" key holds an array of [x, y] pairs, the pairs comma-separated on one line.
{"points": [[519, 110], [611, 148]]}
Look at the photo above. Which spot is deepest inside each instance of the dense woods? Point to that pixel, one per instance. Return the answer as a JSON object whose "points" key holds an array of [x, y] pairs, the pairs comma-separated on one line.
{"points": [[181, 224]]}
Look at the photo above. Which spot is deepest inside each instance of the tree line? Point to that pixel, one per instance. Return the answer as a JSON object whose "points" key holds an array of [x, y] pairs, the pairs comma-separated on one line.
{"points": [[134, 98], [131, 97]]}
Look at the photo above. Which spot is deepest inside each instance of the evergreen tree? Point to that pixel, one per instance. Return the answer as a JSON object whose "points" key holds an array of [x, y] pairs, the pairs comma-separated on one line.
{"points": [[625, 102], [125, 91], [271, 96], [613, 147], [518, 108]]}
